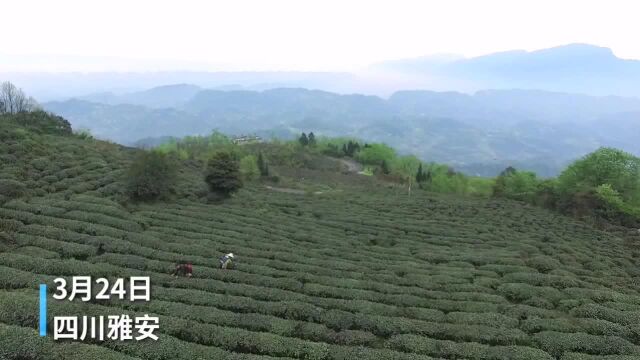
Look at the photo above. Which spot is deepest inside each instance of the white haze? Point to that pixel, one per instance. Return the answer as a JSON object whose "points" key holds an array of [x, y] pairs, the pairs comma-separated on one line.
{"points": [[294, 35]]}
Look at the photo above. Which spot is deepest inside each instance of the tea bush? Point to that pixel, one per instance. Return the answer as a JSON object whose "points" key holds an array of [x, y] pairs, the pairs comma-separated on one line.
{"points": [[10, 188], [556, 344]]}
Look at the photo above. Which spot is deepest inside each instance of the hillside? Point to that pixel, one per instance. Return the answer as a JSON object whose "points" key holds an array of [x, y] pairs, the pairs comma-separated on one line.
{"points": [[359, 270], [479, 134], [158, 97]]}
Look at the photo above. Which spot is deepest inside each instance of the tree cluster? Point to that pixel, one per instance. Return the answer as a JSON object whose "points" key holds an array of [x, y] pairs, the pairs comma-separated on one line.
{"points": [[151, 176], [350, 148], [309, 140], [604, 184], [13, 100]]}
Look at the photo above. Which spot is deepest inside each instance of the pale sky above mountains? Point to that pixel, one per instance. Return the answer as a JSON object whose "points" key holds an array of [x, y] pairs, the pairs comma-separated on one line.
{"points": [[326, 35]]}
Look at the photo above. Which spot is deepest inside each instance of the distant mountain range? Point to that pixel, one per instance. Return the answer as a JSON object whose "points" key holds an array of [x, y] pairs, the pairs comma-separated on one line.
{"points": [[479, 134], [51, 86], [534, 118], [574, 68], [159, 97]]}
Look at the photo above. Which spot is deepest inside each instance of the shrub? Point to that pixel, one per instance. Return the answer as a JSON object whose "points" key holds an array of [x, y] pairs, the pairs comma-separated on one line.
{"points": [[23, 343], [452, 350], [11, 188], [556, 343], [579, 356], [522, 292], [354, 337], [543, 263], [594, 311], [10, 225], [490, 319], [560, 325], [151, 176], [36, 252], [17, 279]]}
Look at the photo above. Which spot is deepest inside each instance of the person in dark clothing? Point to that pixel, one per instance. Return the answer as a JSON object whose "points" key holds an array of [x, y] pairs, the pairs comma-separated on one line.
{"points": [[183, 269], [100, 250]]}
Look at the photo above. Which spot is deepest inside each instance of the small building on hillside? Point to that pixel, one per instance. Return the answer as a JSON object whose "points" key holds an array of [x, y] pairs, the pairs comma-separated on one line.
{"points": [[247, 139]]}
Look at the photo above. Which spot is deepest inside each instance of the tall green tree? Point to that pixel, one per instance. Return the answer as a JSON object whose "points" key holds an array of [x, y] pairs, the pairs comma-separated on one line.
{"points": [[407, 167], [262, 165], [420, 175], [152, 175], [223, 173], [304, 140], [312, 139]]}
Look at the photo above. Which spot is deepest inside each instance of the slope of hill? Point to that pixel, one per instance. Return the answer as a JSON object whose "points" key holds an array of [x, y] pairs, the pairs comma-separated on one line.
{"points": [[361, 271], [512, 106], [168, 96], [125, 122], [535, 130]]}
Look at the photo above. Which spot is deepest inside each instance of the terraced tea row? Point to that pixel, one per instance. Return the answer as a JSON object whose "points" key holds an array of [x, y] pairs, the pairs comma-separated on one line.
{"points": [[324, 277]]}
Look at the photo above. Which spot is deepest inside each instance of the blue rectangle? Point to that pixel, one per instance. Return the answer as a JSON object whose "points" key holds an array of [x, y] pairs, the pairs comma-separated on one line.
{"points": [[43, 309]]}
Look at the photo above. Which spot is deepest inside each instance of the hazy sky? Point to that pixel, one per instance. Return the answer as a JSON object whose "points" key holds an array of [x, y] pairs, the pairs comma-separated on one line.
{"points": [[297, 34]]}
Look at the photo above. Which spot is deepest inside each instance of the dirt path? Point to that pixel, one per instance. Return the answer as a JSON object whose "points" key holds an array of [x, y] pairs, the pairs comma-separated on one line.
{"points": [[286, 190], [352, 165], [291, 191]]}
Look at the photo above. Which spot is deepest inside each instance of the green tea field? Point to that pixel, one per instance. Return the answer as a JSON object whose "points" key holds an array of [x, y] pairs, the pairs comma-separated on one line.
{"points": [[360, 271]]}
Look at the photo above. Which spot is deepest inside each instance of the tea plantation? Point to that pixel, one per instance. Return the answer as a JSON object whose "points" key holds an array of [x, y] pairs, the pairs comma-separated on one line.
{"points": [[360, 271]]}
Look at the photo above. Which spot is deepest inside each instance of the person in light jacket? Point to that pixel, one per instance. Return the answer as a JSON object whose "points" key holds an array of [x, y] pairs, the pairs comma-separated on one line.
{"points": [[226, 261]]}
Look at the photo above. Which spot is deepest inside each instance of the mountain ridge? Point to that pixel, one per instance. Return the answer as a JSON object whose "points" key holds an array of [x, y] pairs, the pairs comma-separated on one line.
{"points": [[574, 68], [434, 125]]}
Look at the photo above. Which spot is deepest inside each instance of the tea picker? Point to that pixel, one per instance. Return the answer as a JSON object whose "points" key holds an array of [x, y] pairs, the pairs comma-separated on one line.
{"points": [[183, 269], [226, 261]]}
